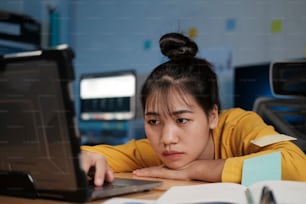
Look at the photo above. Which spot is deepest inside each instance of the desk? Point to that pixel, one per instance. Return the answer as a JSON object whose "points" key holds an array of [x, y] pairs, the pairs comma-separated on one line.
{"points": [[150, 195]]}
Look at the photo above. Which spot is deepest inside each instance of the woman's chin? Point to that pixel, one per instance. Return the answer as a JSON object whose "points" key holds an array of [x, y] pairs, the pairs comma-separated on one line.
{"points": [[175, 165]]}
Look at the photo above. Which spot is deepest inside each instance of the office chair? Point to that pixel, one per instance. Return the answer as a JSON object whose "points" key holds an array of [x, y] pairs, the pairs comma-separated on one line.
{"points": [[287, 111]]}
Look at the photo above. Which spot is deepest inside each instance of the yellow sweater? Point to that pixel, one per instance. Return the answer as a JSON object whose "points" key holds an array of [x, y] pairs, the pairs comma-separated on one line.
{"points": [[232, 140]]}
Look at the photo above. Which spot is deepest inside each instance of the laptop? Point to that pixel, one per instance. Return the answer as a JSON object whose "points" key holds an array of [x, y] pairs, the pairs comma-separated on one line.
{"points": [[39, 139]]}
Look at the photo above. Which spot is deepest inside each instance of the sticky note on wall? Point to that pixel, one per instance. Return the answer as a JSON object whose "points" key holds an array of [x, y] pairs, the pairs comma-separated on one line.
{"points": [[147, 44], [193, 32], [230, 24], [276, 26]]}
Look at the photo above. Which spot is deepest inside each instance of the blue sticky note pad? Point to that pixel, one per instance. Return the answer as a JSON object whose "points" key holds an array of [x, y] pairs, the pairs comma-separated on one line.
{"points": [[230, 24], [264, 167]]}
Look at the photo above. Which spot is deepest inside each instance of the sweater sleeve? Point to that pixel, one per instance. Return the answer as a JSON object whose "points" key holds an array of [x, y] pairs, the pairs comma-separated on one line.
{"points": [[293, 163], [237, 133], [127, 157]]}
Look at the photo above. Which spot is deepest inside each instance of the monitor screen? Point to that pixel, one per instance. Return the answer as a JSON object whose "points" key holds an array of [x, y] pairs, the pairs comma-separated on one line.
{"points": [[108, 96], [250, 83], [288, 78]]}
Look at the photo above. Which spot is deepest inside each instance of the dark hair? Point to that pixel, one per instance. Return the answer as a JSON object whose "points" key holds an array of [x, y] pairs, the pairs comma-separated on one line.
{"points": [[183, 72]]}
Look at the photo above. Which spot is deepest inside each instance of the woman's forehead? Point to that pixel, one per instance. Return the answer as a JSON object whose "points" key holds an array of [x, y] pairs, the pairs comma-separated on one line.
{"points": [[167, 102]]}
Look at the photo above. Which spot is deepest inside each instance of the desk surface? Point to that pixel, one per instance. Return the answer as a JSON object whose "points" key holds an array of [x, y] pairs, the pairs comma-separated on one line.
{"points": [[150, 195]]}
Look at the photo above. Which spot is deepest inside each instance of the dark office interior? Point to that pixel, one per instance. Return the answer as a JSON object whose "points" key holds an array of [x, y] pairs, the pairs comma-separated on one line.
{"points": [[113, 38]]}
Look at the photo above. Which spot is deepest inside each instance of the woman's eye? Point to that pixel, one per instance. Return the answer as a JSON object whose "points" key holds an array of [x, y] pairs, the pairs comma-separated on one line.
{"points": [[182, 120], [153, 122]]}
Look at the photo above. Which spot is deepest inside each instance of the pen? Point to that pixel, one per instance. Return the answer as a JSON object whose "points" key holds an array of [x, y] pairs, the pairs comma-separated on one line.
{"points": [[267, 196]]}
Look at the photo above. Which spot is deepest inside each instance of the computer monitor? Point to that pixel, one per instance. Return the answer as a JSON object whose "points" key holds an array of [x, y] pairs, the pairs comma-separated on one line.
{"points": [[251, 82], [18, 33], [108, 96], [286, 111], [288, 78]]}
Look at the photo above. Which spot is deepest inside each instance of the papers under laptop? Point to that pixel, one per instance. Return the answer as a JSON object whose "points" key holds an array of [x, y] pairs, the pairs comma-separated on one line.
{"points": [[39, 144]]}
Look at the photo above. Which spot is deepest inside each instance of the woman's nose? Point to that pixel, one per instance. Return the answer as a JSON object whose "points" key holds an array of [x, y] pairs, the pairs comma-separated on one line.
{"points": [[168, 134]]}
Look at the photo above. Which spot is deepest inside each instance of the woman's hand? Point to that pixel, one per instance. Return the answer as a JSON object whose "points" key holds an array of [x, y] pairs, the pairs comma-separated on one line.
{"points": [[98, 162], [163, 172], [202, 170]]}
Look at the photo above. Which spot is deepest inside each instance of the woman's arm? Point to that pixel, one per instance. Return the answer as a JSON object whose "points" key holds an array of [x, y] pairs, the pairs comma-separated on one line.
{"points": [[230, 169], [127, 157], [293, 162], [202, 170], [120, 158], [233, 144], [235, 135]]}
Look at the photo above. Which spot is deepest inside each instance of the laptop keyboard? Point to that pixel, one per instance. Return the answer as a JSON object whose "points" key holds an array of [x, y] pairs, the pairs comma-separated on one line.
{"points": [[106, 185]]}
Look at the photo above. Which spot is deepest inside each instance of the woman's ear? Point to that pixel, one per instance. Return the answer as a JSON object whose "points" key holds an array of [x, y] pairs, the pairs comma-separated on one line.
{"points": [[213, 117]]}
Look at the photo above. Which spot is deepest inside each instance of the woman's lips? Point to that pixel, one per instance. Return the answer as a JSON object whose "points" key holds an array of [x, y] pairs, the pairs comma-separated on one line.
{"points": [[172, 155]]}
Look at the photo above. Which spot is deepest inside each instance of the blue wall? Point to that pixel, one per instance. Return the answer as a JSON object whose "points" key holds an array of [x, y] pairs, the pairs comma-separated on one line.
{"points": [[118, 34]]}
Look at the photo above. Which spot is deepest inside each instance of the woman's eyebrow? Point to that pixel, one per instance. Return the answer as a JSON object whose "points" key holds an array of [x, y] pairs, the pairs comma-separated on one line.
{"points": [[152, 113], [181, 112], [178, 112]]}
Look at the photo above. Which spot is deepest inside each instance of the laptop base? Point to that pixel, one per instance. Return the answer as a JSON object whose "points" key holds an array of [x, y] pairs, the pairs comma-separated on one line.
{"points": [[17, 184]]}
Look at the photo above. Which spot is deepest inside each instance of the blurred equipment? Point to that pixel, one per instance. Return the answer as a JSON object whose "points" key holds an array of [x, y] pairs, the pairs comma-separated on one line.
{"points": [[108, 96], [250, 82], [287, 111], [107, 107], [18, 33]]}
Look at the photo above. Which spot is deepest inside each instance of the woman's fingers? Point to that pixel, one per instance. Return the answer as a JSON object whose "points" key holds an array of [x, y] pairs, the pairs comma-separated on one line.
{"points": [[97, 162], [102, 173]]}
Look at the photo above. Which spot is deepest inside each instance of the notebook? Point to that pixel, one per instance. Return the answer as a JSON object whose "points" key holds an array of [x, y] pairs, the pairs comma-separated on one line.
{"points": [[39, 139]]}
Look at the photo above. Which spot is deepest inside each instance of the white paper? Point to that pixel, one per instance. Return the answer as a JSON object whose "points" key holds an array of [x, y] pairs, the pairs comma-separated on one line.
{"points": [[271, 139], [128, 201], [212, 192], [293, 192]]}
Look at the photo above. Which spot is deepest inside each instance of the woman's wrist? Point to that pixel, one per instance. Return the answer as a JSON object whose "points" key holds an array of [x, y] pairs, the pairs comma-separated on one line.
{"points": [[206, 170]]}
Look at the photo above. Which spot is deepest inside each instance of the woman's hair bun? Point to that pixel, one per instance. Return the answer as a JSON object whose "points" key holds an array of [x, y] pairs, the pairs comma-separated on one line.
{"points": [[176, 46]]}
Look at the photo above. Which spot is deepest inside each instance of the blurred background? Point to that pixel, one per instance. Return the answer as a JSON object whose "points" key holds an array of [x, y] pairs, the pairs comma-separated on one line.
{"points": [[240, 37]]}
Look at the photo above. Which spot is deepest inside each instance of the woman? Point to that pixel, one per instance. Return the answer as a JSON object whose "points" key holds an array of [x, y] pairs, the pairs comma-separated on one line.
{"points": [[188, 137]]}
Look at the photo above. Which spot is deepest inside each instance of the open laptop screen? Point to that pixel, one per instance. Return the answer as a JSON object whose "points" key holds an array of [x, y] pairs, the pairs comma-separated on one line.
{"points": [[33, 119], [39, 143]]}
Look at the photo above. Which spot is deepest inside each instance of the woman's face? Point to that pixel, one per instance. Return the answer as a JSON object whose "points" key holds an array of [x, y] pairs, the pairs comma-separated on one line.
{"points": [[181, 135]]}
